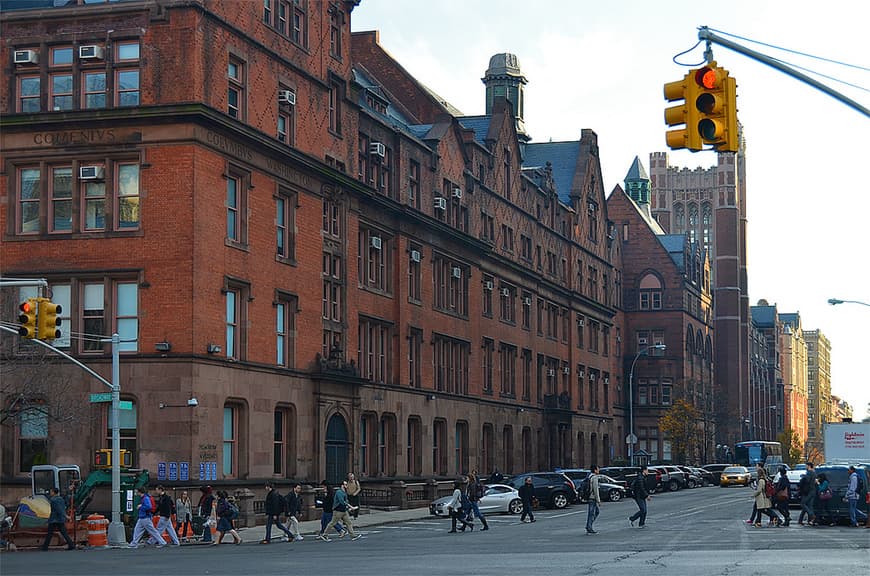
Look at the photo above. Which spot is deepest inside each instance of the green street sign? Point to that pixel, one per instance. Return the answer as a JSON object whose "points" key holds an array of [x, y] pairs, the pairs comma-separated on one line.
{"points": [[125, 404], [102, 397]]}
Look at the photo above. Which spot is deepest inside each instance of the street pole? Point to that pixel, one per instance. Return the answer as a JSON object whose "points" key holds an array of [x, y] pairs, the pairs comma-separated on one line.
{"points": [[117, 536], [631, 437]]}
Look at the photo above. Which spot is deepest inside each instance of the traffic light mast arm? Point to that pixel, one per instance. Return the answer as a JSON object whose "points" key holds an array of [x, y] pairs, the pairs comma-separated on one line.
{"points": [[705, 34]]}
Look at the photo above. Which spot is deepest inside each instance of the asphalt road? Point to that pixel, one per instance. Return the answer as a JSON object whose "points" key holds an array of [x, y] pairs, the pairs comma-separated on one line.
{"points": [[695, 532]]}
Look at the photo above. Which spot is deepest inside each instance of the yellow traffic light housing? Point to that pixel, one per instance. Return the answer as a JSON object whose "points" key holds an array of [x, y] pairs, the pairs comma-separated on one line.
{"points": [[48, 322], [103, 458], [716, 103], [27, 318], [682, 114]]}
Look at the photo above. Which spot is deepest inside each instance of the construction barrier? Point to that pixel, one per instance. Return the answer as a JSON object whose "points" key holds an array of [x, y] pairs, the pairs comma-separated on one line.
{"points": [[98, 526]]}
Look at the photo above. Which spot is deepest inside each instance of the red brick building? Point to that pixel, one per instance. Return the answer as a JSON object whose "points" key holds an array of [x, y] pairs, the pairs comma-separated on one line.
{"points": [[344, 271]]}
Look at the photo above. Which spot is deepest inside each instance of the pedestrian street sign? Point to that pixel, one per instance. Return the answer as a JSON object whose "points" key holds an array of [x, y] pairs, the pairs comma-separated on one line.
{"points": [[125, 405], [102, 397]]}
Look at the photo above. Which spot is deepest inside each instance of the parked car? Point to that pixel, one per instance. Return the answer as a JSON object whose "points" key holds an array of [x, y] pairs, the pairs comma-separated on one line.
{"points": [[707, 477], [715, 470], [497, 498], [735, 476], [627, 474], [552, 489], [836, 509], [693, 479], [672, 477], [608, 488]]}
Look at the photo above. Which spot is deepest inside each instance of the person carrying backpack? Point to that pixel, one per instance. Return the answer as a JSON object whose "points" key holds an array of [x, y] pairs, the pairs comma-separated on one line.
{"points": [[807, 490], [475, 493], [147, 507], [762, 500], [165, 509], [274, 506], [641, 495], [226, 512], [853, 493]]}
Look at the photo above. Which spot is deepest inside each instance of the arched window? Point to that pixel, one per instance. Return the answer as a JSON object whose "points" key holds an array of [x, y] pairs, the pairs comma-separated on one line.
{"points": [[650, 293], [679, 218], [706, 225], [127, 424], [415, 440], [692, 229], [32, 438], [508, 446], [387, 445]]}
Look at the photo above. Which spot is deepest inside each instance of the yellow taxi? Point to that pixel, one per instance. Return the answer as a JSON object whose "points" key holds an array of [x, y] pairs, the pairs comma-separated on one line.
{"points": [[735, 476]]}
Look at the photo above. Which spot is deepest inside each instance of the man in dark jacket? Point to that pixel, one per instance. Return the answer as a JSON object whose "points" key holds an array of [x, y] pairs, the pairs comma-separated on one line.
{"points": [[293, 509], [782, 495], [527, 495], [274, 507], [165, 509], [206, 505], [807, 488], [475, 493], [641, 495], [57, 520]]}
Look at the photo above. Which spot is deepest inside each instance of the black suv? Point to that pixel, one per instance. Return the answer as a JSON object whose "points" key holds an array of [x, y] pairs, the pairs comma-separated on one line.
{"points": [[836, 509], [552, 489]]}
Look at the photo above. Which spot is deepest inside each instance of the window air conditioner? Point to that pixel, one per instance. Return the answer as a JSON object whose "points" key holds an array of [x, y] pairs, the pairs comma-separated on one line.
{"points": [[566, 370], [415, 255], [580, 323], [487, 285], [376, 242], [287, 97], [527, 301], [641, 340], [90, 172], [26, 57], [457, 272], [505, 292], [377, 149], [440, 203], [551, 372], [92, 52], [606, 380], [581, 373], [457, 193]]}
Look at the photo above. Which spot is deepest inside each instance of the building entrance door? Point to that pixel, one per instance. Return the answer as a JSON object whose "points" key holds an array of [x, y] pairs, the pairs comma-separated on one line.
{"points": [[336, 450]]}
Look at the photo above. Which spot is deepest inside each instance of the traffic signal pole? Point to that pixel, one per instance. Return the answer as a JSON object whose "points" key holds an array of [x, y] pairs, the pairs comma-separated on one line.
{"points": [[705, 34]]}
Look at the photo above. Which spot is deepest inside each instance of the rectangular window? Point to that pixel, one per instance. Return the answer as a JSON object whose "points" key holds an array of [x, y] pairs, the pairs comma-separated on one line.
{"points": [[451, 361], [527, 310], [374, 354], [415, 275], [450, 281], [285, 330], [285, 227], [29, 95], [94, 89], [508, 303], [488, 288], [332, 287], [32, 438], [335, 95], [527, 374], [128, 51], [374, 261], [61, 96], [94, 194], [232, 323], [267, 12], [281, 20], [364, 171], [414, 184], [414, 452], [439, 440], [128, 196], [235, 88], [279, 442], [127, 87], [236, 205], [364, 445], [415, 358], [128, 429], [508, 360], [61, 56], [127, 315], [461, 447], [488, 352], [93, 317], [229, 441], [581, 323], [61, 294], [61, 200], [299, 33], [581, 373], [336, 19], [331, 219]]}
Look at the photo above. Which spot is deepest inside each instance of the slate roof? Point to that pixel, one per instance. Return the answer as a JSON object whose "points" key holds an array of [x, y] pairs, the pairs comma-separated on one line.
{"points": [[637, 171], [393, 114], [563, 156], [480, 125], [792, 318], [764, 316], [7, 5], [420, 130], [674, 244]]}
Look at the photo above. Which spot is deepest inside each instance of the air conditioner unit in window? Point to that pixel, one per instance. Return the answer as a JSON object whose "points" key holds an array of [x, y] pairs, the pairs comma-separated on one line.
{"points": [[376, 242], [487, 285], [91, 172], [551, 372], [440, 203], [505, 292], [580, 322], [592, 375], [92, 52], [457, 192], [26, 57], [377, 149], [415, 255], [641, 340], [566, 370], [581, 374], [527, 301], [606, 380], [287, 97], [457, 272]]}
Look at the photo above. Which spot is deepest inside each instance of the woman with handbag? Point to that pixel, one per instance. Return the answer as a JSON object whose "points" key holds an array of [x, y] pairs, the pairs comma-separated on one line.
{"points": [[455, 507], [762, 501], [825, 495], [782, 495], [226, 512], [183, 516]]}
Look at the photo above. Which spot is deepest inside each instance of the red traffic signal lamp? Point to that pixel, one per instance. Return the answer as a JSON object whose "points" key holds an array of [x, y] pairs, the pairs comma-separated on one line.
{"points": [[708, 110], [48, 322], [27, 318]]}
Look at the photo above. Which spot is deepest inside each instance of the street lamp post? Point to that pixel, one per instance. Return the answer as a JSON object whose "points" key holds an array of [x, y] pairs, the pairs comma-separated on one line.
{"points": [[835, 301], [748, 419], [631, 437]]}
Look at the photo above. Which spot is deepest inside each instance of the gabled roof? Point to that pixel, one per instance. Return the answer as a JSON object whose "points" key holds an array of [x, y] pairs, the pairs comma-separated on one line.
{"points": [[480, 125], [674, 244], [563, 156], [370, 85]]}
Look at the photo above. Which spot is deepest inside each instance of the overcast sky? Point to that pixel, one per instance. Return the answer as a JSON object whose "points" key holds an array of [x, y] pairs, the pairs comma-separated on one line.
{"points": [[602, 66]]}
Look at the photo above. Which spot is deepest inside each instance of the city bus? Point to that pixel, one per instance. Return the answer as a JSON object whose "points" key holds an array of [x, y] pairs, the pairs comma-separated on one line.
{"points": [[750, 453]]}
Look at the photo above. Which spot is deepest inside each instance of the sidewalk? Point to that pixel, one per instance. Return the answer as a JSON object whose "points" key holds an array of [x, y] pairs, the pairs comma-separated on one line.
{"points": [[311, 528]]}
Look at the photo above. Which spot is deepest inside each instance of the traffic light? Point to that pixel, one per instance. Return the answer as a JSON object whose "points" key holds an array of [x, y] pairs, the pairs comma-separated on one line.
{"points": [[708, 110], [685, 113], [27, 318], [716, 103], [103, 458], [48, 322]]}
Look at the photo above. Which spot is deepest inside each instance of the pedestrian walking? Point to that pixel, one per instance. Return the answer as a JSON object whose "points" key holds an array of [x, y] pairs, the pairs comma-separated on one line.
{"points": [[762, 500], [593, 506], [165, 510], [206, 511], [456, 511], [782, 487], [641, 496], [183, 516], [144, 523], [823, 498], [475, 493], [56, 520], [354, 491], [853, 493], [340, 508], [274, 507], [293, 509], [527, 496], [807, 491], [226, 513], [324, 502]]}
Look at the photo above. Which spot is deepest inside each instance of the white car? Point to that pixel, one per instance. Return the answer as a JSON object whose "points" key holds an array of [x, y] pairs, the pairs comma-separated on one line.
{"points": [[497, 498]]}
